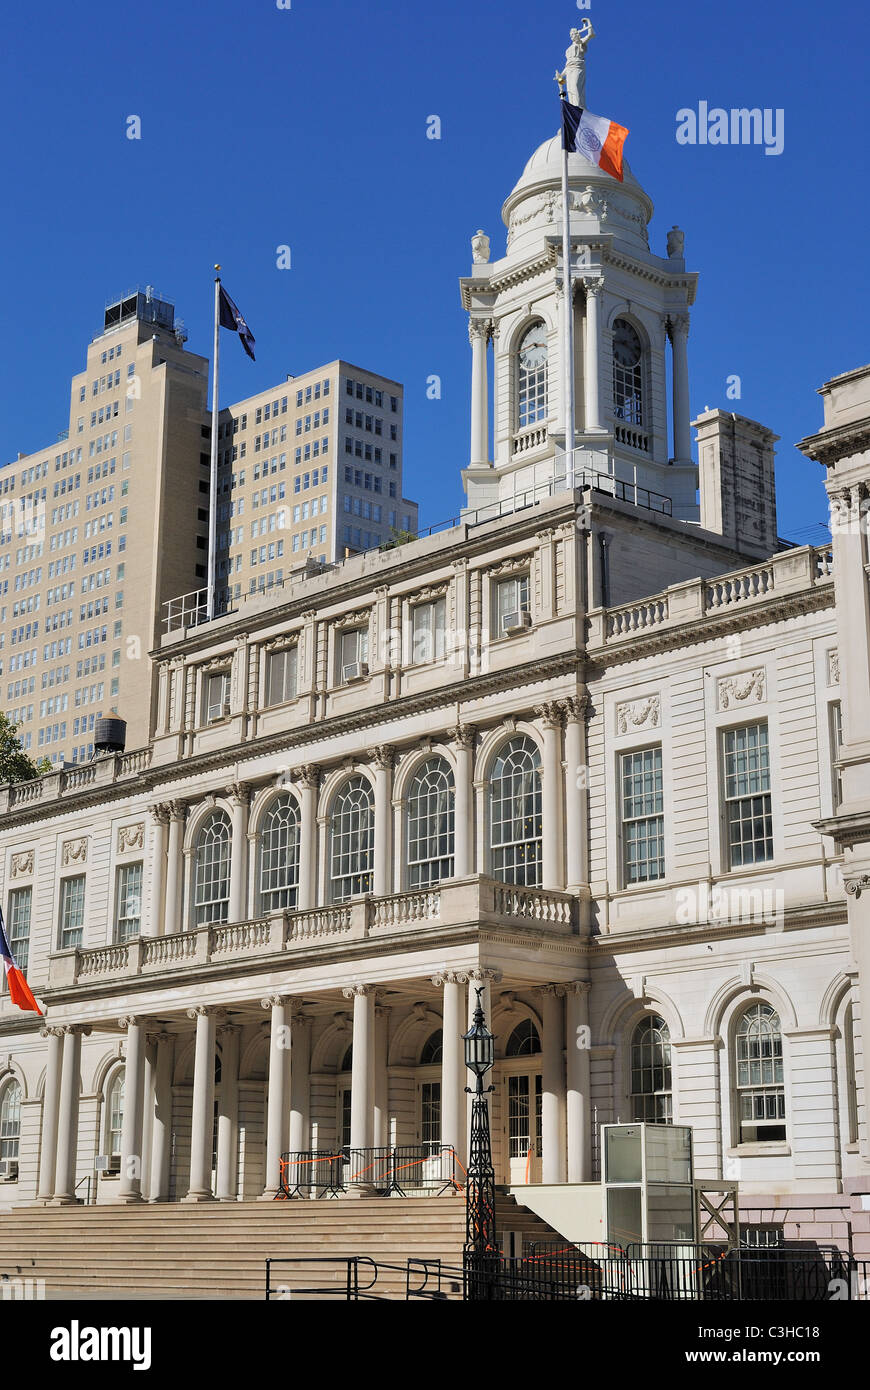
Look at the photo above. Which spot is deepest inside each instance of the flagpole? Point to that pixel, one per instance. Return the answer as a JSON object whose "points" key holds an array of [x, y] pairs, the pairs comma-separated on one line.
{"points": [[213, 474], [568, 344]]}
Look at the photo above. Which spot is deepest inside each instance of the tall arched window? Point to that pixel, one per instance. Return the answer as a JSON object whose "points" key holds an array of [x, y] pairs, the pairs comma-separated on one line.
{"points": [[515, 821], [430, 824], [352, 835], [532, 376], [524, 1041], [432, 1049], [10, 1121], [651, 1085], [628, 403], [211, 870], [760, 1082], [430, 1096], [115, 1114], [279, 854]]}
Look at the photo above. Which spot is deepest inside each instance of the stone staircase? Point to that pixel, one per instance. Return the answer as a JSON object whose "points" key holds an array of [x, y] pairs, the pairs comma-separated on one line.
{"points": [[218, 1250]]}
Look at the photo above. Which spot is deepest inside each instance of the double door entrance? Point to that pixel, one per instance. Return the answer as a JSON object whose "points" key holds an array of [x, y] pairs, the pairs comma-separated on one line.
{"points": [[521, 1127]]}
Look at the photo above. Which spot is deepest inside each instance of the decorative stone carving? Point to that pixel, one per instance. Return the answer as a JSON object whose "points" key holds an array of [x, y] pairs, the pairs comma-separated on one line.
{"points": [[833, 666], [676, 242], [594, 285], [22, 864], [309, 776], [359, 619], [478, 328], [679, 323], [638, 714], [383, 756], [462, 735], [577, 707], [131, 837], [349, 991], [74, 852], [590, 203], [239, 794], [552, 715], [480, 248], [736, 690], [855, 884]]}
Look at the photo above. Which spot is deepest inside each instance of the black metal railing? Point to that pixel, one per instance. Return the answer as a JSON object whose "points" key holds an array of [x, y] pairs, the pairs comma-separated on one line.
{"points": [[355, 1278], [400, 1169]]}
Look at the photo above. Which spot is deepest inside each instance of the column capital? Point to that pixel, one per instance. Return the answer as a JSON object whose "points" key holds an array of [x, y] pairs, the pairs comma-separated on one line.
{"points": [[131, 1021], [484, 976], [229, 1030], [678, 323], [48, 1032], [177, 810], [383, 756], [382, 1010], [477, 329], [156, 1039], [578, 987], [462, 735], [552, 714], [205, 1011], [855, 884], [274, 1001], [160, 812], [357, 991], [449, 977], [594, 285], [553, 991], [308, 776], [577, 708], [83, 1030], [239, 793]]}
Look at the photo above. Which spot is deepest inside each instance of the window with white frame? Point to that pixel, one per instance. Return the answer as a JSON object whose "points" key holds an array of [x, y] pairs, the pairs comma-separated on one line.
{"points": [[532, 376], [643, 821], [352, 652], [215, 695], [651, 1085], [515, 813], [279, 855], [20, 903], [759, 1073], [211, 870], [10, 1121], [115, 1114], [511, 602], [281, 669], [835, 730], [748, 809], [430, 824], [429, 630], [430, 1117], [72, 912], [128, 920], [352, 841]]}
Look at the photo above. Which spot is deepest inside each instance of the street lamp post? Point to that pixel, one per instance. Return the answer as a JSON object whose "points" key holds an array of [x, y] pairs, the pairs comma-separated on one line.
{"points": [[481, 1250]]}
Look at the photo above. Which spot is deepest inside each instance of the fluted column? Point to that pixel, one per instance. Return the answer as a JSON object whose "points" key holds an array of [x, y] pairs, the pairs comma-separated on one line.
{"points": [[130, 1181], [382, 763], [68, 1113], [453, 1063], [173, 917], [276, 1108], [228, 1115], [679, 328], [576, 785], [155, 918], [299, 1083], [361, 1073], [202, 1119], [552, 1084], [478, 334], [463, 850], [577, 1049], [50, 1105], [239, 797], [161, 1120], [592, 401], [308, 781], [551, 721]]}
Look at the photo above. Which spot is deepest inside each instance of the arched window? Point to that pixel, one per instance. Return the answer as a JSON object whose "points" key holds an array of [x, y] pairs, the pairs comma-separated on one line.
{"points": [[524, 1041], [432, 1049], [430, 824], [760, 1084], [10, 1121], [515, 824], [352, 850], [347, 1060], [532, 376], [211, 873], [279, 855], [115, 1114], [628, 403], [651, 1085]]}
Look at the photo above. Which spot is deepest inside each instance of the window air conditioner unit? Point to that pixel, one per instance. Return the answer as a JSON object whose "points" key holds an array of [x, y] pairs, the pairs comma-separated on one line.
{"points": [[107, 1163], [8, 1169], [356, 671], [514, 623]]}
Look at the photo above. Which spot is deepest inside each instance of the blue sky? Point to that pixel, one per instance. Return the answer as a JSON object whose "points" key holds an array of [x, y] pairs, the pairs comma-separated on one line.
{"points": [[307, 127]]}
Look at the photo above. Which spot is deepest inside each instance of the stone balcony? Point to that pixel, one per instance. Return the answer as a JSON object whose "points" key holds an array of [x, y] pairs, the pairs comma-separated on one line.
{"points": [[470, 902]]}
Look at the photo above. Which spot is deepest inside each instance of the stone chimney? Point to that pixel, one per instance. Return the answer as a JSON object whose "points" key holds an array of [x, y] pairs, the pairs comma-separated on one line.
{"points": [[736, 479]]}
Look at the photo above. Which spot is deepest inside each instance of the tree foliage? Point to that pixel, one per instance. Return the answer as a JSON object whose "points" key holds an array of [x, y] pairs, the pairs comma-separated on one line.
{"points": [[15, 764]]}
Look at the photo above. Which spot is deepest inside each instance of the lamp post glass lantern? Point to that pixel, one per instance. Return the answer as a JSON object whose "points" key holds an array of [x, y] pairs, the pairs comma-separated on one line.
{"points": [[481, 1250]]}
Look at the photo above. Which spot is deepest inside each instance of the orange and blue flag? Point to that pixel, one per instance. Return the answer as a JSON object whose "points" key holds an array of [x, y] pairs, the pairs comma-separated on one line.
{"points": [[19, 990]]}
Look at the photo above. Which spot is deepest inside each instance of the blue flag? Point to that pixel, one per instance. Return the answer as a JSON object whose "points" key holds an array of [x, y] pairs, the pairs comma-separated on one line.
{"points": [[231, 317]]}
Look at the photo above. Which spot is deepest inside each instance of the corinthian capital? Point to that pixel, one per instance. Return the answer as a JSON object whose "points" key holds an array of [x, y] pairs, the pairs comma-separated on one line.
{"points": [[594, 285], [478, 328]]}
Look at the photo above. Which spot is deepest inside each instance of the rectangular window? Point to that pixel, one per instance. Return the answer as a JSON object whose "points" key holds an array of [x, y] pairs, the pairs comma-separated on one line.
{"points": [[215, 696], [643, 822], [72, 912], [511, 603], [353, 653], [748, 811], [835, 725], [430, 1117], [429, 629], [128, 918], [281, 676], [19, 926]]}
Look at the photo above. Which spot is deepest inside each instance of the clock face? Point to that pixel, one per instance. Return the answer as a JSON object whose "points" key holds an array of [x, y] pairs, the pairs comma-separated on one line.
{"points": [[626, 344], [533, 355]]}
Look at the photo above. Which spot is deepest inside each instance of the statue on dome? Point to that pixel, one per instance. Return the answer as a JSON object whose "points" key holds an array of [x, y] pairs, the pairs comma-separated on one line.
{"points": [[480, 248], [574, 75]]}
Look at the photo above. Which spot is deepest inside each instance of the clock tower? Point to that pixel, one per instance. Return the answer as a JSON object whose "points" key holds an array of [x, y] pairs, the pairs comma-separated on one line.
{"points": [[630, 310]]}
